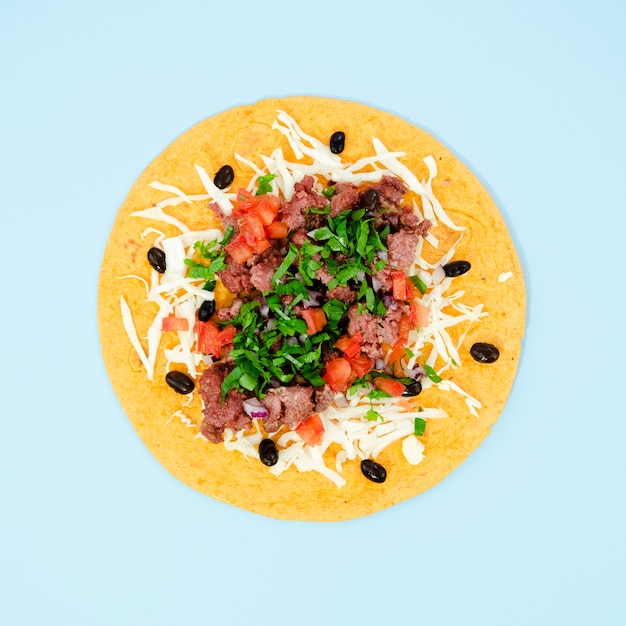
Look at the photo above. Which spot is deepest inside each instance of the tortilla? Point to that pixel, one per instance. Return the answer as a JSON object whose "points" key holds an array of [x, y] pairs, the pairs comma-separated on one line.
{"points": [[168, 424]]}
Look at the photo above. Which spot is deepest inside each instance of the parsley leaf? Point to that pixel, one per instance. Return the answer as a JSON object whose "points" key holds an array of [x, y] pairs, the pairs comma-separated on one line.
{"points": [[419, 426], [264, 184]]}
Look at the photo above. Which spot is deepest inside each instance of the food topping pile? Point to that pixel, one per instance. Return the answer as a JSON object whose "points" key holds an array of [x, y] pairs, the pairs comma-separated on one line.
{"points": [[335, 322]]}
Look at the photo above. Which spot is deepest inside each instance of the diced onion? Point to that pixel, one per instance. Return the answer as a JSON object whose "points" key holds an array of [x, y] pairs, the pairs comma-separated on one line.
{"points": [[254, 408]]}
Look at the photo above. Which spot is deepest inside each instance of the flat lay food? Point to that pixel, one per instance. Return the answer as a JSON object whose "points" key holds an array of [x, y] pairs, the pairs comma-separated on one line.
{"points": [[310, 309]]}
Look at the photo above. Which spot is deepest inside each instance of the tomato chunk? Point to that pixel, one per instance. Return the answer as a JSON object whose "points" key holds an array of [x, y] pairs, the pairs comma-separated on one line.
{"points": [[395, 356], [267, 208], [419, 314], [277, 230], [211, 339], [338, 374], [360, 365], [311, 430], [174, 323], [261, 245], [389, 385], [245, 201], [315, 319], [398, 285], [239, 250], [252, 229], [208, 341], [350, 346]]}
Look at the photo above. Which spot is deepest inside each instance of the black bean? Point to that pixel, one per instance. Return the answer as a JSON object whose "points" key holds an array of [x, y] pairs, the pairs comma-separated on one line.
{"points": [[374, 471], [179, 382], [484, 352], [156, 258], [268, 452], [456, 268], [370, 200], [207, 308], [337, 142], [225, 175], [413, 389]]}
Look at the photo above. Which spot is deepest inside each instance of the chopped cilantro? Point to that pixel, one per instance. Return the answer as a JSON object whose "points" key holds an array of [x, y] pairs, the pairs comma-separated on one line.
{"points": [[373, 415], [418, 283], [430, 372], [264, 184], [419, 426]]}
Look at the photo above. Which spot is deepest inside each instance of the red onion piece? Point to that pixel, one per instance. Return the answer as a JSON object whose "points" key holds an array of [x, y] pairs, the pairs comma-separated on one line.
{"points": [[314, 299], [254, 408]]}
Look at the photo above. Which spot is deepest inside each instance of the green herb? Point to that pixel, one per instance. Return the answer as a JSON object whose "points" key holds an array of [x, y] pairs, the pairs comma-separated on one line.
{"points": [[212, 259], [329, 191], [263, 352], [419, 426], [430, 372], [419, 284], [264, 184], [373, 415], [228, 233]]}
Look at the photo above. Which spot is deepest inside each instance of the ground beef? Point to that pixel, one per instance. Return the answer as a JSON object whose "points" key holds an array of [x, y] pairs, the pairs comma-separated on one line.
{"points": [[323, 397], [367, 326], [287, 405], [376, 330], [423, 227], [236, 277], [299, 237], [384, 276], [261, 274], [391, 189], [345, 294], [218, 416], [228, 313], [402, 246], [346, 197], [323, 275], [293, 212]]}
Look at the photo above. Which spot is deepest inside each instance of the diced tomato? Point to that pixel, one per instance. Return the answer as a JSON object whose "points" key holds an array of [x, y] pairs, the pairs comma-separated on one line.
{"points": [[398, 285], [244, 201], [174, 323], [405, 326], [420, 314], [389, 385], [311, 430], [395, 356], [277, 230], [208, 338], [211, 339], [239, 249], [227, 334], [411, 290], [315, 319], [338, 374], [350, 346], [251, 229], [267, 208], [261, 245], [360, 365]]}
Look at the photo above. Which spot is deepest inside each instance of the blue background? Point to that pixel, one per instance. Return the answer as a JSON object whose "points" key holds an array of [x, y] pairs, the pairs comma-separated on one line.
{"points": [[530, 530]]}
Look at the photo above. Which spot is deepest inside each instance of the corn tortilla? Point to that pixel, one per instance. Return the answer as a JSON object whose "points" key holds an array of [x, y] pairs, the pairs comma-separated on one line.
{"points": [[228, 476]]}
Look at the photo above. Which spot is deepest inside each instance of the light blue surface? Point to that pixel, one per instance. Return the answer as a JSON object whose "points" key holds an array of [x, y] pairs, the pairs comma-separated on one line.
{"points": [[530, 530]]}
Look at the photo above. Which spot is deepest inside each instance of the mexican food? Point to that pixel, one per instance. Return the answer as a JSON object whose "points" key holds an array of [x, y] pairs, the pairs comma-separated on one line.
{"points": [[310, 309]]}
